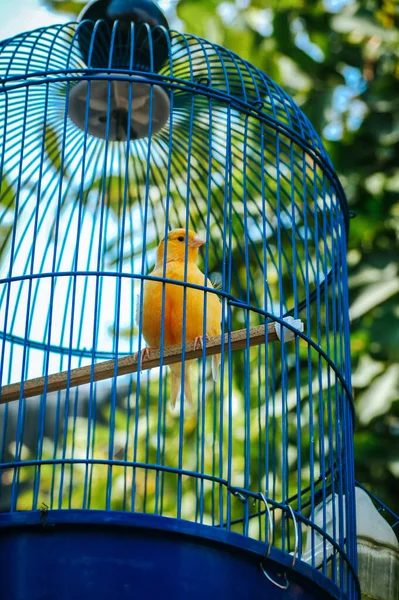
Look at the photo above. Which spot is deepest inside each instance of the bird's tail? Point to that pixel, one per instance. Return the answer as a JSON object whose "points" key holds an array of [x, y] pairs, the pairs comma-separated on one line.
{"points": [[176, 380], [215, 366]]}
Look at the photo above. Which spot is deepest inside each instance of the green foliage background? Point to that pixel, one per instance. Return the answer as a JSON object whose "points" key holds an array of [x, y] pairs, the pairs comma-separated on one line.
{"points": [[339, 60]]}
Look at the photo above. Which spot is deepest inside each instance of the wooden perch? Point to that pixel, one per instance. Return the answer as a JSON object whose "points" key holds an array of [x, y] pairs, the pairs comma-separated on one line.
{"points": [[129, 364]]}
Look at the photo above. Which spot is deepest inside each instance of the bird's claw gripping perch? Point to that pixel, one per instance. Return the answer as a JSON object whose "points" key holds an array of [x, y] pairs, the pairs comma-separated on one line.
{"points": [[142, 355], [199, 341]]}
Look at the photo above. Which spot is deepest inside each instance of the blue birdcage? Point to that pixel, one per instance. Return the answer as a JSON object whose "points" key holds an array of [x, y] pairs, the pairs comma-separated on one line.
{"points": [[116, 133]]}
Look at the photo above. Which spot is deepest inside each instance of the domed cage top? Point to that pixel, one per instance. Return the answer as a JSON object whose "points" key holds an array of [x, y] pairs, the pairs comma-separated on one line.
{"points": [[111, 138]]}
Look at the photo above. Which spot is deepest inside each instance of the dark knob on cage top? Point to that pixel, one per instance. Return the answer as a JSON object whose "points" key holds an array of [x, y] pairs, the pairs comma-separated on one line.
{"points": [[113, 48], [138, 11]]}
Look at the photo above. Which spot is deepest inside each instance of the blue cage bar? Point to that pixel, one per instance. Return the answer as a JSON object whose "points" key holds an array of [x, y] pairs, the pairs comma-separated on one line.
{"points": [[111, 136]]}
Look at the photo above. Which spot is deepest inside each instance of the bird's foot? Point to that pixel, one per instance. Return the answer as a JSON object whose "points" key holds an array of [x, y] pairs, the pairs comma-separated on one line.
{"points": [[199, 341], [144, 354]]}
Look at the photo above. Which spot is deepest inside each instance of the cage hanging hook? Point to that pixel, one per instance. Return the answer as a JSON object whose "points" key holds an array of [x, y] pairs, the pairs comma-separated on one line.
{"points": [[270, 525], [269, 545], [258, 104], [203, 81], [240, 496], [286, 584], [283, 586], [296, 535]]}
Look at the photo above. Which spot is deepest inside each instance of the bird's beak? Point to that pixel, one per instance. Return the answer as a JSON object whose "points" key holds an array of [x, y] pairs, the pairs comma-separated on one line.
{"points": [[196, 242]]}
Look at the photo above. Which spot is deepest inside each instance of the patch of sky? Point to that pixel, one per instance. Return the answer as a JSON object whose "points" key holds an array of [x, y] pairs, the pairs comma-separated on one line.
{"points": [[243, 4], [354, 79], [261, 21], [303, 42], [346, 107], [33, 15], [228, 12], [335, 6]]}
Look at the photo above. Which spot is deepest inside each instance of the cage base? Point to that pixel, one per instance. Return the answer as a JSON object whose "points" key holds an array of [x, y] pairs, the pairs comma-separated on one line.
{"points": [[67, 554]]}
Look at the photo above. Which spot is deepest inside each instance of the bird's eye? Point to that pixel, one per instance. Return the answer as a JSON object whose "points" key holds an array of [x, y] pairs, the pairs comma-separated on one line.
{"points": [[180, 238]]}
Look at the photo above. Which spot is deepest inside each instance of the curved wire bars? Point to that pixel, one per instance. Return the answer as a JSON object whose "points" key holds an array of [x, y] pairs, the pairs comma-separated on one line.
{"points": [[80, 219]]}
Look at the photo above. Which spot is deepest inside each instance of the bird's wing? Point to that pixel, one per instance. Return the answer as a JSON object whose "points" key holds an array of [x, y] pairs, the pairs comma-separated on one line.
{"points": [[214, 312], [215, 280]]}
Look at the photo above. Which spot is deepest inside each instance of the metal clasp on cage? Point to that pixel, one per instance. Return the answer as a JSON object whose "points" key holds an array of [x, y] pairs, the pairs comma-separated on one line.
{"points": [[204, 81], [257, 105], [43, 514], [269, 542], [237, 494]]}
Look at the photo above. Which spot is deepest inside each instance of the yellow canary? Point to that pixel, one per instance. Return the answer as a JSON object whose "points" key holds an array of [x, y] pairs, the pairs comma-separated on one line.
{"points": [[173, 318]]}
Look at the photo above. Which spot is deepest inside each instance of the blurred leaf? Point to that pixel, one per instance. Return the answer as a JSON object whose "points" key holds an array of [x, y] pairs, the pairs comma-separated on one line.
{"points": [[203, 19], [384, 333], [73, 7], [366, 370], [53, 149], [7, 194], [351, 19], [378, 398], [372, 296], [7, 206], [5, 236]]}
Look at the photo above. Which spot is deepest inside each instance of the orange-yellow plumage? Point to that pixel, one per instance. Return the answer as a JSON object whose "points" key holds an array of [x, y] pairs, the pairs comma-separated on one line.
{"points": [[173, 268]]}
